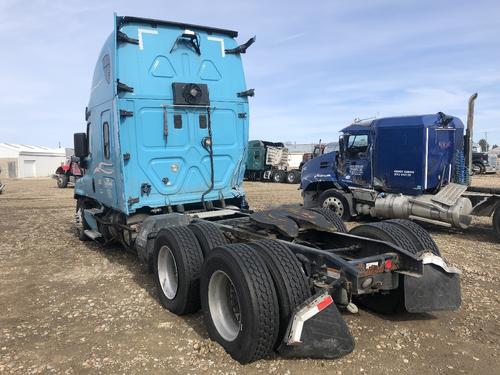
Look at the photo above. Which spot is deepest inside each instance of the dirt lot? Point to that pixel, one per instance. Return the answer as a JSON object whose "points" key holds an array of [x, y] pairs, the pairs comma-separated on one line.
{"points": [[74, 307]]}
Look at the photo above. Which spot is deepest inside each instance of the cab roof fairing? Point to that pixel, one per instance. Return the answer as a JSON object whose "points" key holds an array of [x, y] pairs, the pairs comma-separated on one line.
{"points": [[425, 121], [122, 20]]}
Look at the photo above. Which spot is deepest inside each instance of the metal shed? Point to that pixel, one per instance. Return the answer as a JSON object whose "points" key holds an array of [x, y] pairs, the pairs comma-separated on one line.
{"points": [[21, 161]]}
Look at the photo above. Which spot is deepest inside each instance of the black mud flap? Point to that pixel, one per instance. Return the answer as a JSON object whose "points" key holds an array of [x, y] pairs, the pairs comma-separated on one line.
{"points": [[324, 336], [435, 290]]}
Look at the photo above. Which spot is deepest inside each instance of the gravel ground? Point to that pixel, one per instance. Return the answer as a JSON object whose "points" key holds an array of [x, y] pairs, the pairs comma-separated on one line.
{"points": [[75, 307]]}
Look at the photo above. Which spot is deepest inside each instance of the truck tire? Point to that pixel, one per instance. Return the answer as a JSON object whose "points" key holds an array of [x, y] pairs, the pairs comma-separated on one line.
{"points": [[293, 177], [496, 222], [279, 176], [80, 223], [209, 236], [331, 217], [291, 284], [239, 302], [335, 201], [62, 181], [478, 168], [177, 262], [386, 232], [421, 238]]}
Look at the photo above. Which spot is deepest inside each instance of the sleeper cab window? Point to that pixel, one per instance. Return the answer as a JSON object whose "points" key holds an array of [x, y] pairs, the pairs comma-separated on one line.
{"points": [[105, 139], [89, 144]]}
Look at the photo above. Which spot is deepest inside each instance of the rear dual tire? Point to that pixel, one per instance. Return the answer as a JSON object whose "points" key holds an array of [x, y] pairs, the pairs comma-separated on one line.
{"points": [[419, 236], [405, 234], [388, 232], [279, 176], [331, 217], [267, 281], [209, 236], [248, 292], [239, 302], [496, 222], [293, 177], [288, 277], [177, 262]]}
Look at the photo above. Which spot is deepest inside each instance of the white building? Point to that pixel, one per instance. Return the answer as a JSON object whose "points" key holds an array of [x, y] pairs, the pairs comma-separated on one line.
{"points": [[20, 161]]}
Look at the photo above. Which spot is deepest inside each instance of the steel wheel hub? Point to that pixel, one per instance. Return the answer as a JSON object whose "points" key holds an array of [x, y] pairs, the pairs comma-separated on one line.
{"points": [[167, 272], [224, 305], [334, 204]]}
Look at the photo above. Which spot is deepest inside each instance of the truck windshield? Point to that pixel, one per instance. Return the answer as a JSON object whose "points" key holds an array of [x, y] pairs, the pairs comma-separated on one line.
{"points": [[357, 143]]}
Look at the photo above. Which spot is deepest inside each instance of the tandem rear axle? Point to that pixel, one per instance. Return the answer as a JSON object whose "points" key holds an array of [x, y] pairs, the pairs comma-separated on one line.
{"points": [[272, 280]]}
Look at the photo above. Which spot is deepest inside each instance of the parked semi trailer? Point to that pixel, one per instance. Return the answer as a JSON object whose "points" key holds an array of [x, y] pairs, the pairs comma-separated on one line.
{"points": [[163, 162], [269, 161], [413, 167]]}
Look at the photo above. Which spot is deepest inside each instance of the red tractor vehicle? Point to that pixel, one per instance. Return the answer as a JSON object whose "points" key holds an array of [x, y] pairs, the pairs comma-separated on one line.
{"points": [[68, 172]]}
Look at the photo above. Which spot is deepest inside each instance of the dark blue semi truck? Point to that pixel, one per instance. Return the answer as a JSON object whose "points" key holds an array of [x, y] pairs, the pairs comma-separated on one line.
{"points": [[411, 167], [163, 159]]}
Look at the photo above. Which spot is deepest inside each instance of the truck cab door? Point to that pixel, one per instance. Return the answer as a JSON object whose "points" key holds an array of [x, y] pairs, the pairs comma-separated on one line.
{"points": [[355, 164]]}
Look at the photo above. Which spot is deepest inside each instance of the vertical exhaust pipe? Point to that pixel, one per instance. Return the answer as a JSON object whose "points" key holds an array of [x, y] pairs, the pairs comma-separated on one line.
{"points": [[469, 134]]}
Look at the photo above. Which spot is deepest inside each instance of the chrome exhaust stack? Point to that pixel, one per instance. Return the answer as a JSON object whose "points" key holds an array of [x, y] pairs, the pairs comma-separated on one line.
{"points": [[469, 134]]}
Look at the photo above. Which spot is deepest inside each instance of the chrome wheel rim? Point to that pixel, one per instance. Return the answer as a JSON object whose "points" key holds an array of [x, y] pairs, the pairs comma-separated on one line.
{"points": [[224, 305], [167, 272], [334, 204]]}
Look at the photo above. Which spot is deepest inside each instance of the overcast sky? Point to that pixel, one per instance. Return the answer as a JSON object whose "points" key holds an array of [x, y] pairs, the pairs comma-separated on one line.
{"points": [[315, 67]]}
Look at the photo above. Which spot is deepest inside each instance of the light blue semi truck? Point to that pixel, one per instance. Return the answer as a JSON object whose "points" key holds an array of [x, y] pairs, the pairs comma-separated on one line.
{"points": [[164, 156]]}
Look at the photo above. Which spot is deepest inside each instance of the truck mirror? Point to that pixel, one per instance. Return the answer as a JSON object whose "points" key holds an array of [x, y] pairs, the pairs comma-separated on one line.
{"points": [[80, 142]]}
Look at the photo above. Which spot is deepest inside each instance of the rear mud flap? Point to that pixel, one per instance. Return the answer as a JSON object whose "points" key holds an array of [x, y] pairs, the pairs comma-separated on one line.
{"points": [[325, 335], [435, 290]]}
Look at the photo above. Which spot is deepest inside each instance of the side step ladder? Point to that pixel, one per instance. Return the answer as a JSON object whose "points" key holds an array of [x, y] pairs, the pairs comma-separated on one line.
{"points": [[92, 234]]}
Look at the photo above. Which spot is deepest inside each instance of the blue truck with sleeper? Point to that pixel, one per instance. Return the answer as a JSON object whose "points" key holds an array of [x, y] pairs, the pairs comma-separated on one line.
{"points": [[409, 167], [163, 159]]}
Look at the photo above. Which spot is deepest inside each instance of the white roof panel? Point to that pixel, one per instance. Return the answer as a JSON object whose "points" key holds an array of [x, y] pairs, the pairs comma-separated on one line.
{"points": [[12, 150]]}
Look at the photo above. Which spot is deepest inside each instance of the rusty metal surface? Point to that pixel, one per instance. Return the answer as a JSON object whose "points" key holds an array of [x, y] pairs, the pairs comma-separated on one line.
{"points": [[288, 220]]}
